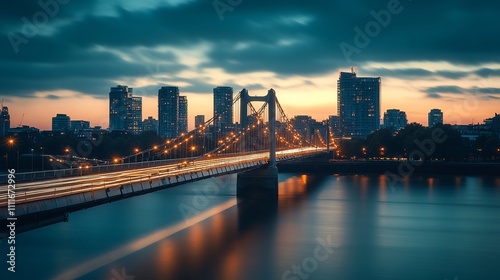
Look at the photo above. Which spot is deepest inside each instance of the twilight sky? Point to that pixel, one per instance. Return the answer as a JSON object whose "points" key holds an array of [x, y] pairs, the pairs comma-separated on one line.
{"points": [[64, 56]]}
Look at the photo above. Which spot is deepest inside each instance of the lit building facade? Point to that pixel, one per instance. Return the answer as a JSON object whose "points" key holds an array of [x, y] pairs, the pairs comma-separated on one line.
{"points": [[358, 105], [183, 114], [61, 122], [168, 112], [395, 119], [223, 107], [435, 117]]}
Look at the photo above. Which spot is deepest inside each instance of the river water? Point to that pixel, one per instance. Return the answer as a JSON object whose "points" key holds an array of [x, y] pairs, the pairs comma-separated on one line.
{"points": [[322, 227]]}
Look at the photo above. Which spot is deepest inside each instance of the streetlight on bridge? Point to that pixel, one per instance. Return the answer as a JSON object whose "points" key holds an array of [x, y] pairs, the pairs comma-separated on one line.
{"points": [[10, 144], [136, 150]]}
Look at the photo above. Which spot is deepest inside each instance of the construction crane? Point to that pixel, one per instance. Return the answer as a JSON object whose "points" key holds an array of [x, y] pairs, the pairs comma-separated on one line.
{"points": [[21, 122]]}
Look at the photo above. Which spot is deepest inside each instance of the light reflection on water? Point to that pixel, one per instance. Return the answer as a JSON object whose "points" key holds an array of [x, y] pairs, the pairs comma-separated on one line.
{"points": [[440, 227]]}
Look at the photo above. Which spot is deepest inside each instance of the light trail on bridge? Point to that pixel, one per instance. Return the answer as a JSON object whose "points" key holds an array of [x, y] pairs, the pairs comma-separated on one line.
{"points": [[40, 190]]}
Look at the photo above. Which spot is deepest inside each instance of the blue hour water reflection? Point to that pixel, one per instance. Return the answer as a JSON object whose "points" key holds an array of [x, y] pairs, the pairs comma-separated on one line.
{"points": [[440, 227]]}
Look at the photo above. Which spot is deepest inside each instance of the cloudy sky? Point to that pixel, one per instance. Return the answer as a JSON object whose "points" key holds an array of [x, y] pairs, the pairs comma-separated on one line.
{"points": [[62, 57]]}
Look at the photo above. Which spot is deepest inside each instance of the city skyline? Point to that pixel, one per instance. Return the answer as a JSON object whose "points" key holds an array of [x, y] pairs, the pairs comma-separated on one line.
{"points": [[66, 64], [191, 119]]}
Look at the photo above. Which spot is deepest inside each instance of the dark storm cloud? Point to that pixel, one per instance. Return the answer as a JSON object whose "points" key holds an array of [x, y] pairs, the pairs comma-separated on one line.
{"points": [[285, 37]]}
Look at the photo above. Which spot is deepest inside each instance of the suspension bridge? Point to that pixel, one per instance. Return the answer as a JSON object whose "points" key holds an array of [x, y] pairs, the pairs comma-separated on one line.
{"points": [[251, 148]]}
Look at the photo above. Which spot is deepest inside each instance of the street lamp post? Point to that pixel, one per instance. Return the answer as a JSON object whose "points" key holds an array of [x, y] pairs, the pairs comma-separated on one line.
{"points": [[41, 148], [32, 157]]}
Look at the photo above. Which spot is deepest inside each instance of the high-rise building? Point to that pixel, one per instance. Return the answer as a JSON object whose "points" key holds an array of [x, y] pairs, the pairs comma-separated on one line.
{"points": [[223, 107], [4, 121], [183, 114], [199, 120], [118, 97], [150, 124], [168, 112], [134, 114], [358, 104], [61, 122], [125, 110], [395, 119], [79, 125], [435, 117]]}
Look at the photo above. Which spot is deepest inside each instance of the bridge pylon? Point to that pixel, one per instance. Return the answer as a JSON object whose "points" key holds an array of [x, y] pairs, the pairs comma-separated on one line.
{"points": [[261, 183]]}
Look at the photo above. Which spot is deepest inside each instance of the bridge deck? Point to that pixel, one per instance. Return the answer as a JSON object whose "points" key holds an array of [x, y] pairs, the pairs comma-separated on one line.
{"points": [[53, 188]]}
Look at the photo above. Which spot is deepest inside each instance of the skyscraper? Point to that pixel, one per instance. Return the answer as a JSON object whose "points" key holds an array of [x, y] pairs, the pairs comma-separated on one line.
{"points": [[125, 110], [4, 121], [118, 97], [199, 120], [223, 107], [134, 114], [61, 122], [168, 112], [395, 119], [183, 114], [358, 105], [435, 117]]}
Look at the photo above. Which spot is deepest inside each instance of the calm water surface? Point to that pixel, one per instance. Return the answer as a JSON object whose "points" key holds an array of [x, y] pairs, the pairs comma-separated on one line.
{"points": [[425, 228]]}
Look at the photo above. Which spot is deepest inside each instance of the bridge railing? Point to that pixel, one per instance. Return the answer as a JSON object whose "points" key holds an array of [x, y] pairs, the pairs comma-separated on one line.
{"points": [[96, 169]]}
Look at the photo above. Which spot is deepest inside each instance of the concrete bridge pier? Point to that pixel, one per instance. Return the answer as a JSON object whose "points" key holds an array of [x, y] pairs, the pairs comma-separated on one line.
{"points": [[258, 184]]}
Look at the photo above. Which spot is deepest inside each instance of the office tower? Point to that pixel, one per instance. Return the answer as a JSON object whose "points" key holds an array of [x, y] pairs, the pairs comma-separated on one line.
{"points": [[358, 104], [395, 119], [183, 114], [79, 125], [118, 97], [125, 110], [150, 124], [4, 121], [223, 107], [61, 122], [435, 117], [168, 112], [134, 114], [199, 120]]}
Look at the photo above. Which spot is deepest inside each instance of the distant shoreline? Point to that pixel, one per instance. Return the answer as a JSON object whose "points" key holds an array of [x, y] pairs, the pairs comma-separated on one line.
{"points": [[382, 167]]}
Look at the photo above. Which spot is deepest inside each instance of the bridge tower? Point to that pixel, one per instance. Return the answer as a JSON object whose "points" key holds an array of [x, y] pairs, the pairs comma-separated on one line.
{"points": [[260, 183]]}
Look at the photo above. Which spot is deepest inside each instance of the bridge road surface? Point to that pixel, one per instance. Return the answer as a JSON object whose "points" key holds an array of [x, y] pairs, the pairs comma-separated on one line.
{"points": [[40, 190]]}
